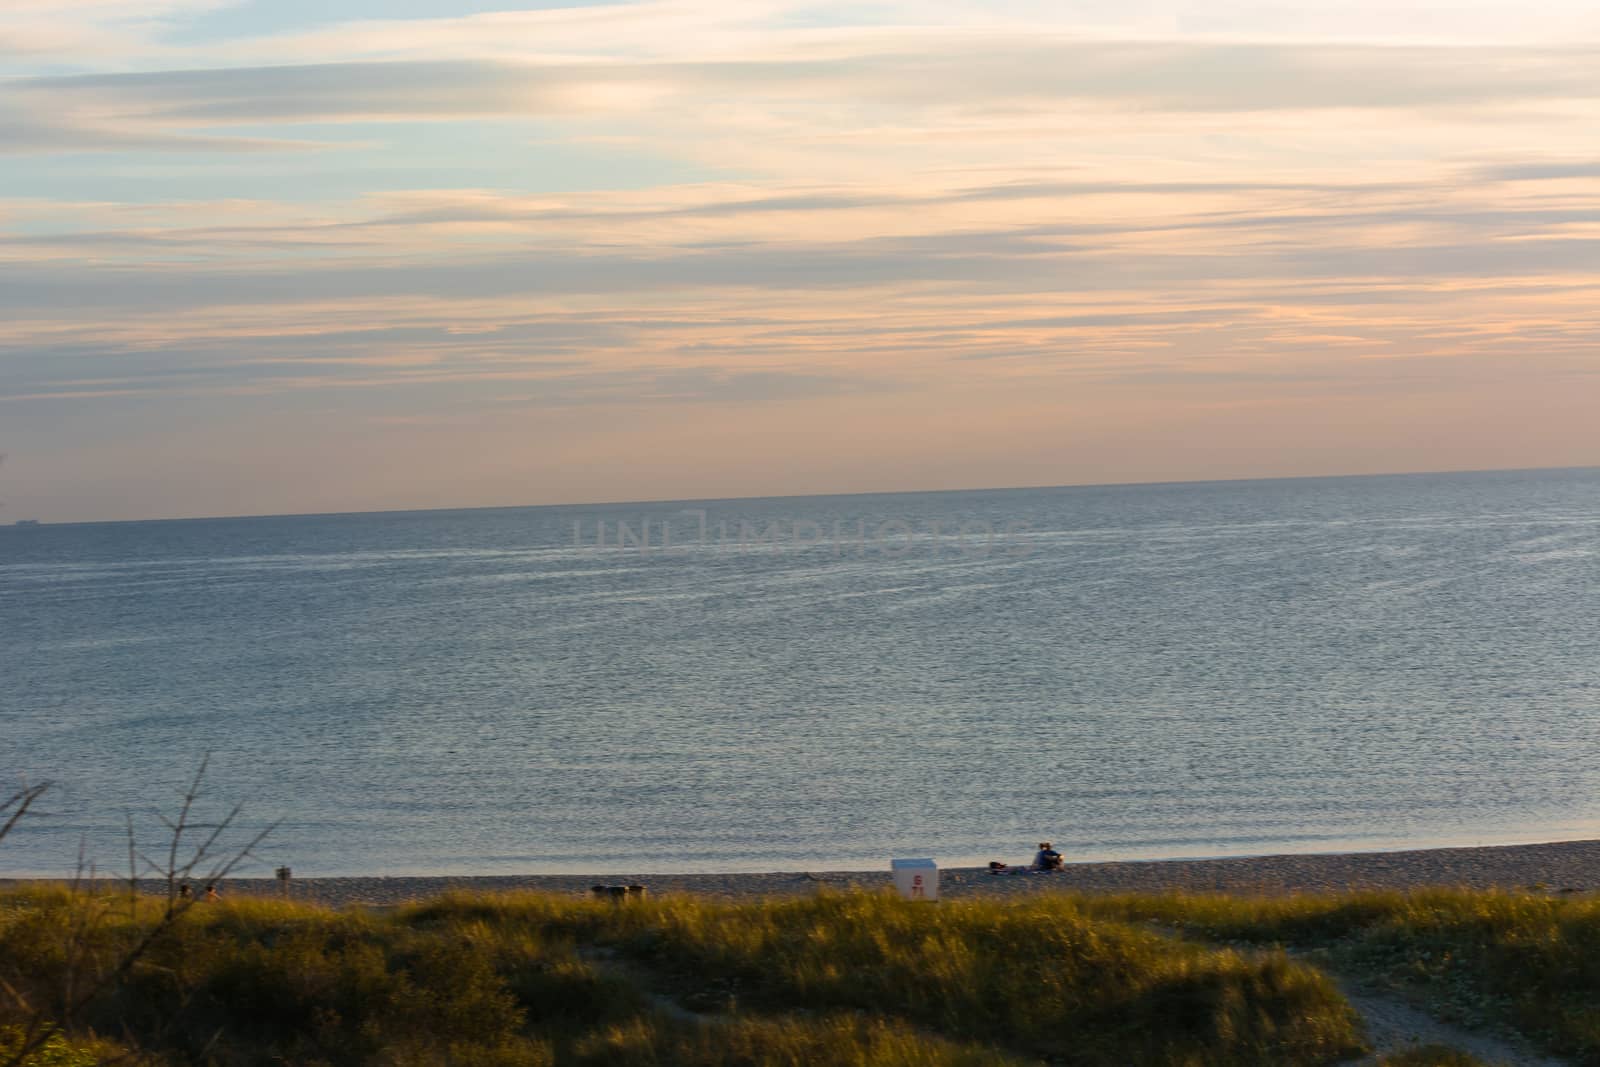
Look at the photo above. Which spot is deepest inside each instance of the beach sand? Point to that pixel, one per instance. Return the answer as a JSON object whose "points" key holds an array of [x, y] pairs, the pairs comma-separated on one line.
{"points": [[1563, 867]]}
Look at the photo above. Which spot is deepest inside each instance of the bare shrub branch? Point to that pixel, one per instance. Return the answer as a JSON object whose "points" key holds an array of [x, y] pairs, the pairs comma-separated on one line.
{"points": [[85, 977]]}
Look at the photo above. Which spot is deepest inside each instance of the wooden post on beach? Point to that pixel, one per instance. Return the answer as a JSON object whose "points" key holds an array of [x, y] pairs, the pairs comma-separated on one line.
{"points": [[284, 874]]}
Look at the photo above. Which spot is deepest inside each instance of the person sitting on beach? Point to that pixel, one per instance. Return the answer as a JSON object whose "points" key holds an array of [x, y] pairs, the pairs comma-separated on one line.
{"points": [[211, 893], [1047, 858]]}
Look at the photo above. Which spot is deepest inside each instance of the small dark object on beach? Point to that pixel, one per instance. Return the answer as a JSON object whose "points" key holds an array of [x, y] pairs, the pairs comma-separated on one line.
{"points": [[618, 892]]}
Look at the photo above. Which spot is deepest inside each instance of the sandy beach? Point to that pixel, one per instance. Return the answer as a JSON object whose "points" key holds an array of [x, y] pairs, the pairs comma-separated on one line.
{"points": [[1562, 867]]}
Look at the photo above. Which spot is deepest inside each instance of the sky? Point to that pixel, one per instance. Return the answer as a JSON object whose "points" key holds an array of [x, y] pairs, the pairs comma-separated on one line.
{"points": [[283, 256]]}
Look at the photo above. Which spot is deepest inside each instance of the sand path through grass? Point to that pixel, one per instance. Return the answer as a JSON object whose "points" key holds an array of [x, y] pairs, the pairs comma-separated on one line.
{"points": [[1395, 1026]]}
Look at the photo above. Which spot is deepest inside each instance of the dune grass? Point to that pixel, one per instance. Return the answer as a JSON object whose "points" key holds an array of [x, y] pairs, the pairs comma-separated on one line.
{"points": [[524, 979], [1431, 1056], [1037, 977], [530, 980], [1529, 962]]}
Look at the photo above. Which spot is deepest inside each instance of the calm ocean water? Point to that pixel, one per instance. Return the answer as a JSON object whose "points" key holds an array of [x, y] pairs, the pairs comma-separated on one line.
{"points": [[1132, 672]]}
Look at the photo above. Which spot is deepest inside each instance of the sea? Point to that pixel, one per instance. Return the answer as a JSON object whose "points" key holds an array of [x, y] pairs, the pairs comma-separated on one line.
{"points": [[816, 683]]}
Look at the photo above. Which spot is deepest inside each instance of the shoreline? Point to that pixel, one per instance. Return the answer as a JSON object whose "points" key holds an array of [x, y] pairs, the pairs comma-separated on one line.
{"points": [[1559, 867]]}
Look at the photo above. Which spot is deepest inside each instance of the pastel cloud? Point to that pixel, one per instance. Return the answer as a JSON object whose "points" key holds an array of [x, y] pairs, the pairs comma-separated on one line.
{"points": [[1058, 232], [1016, 72]]}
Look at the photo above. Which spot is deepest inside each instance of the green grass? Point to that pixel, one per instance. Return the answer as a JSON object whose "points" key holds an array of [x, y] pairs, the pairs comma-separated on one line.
{"points": [[1431, 1056], [57, 1050], [1036, 977], [501, 981], [778, 1042], [529, 980], [1528, 962]]}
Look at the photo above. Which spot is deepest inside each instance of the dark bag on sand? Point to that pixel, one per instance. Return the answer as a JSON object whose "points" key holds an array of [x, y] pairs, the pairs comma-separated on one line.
{"points": [[619, 892]]}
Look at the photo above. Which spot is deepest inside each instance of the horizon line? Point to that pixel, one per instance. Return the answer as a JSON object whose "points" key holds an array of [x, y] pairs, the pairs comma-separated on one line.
{"points": [[811, 496]]}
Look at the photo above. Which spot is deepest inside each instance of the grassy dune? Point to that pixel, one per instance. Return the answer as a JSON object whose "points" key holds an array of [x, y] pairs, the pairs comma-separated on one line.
{"points": [[532, 980], [1528, 962], [848, 979]]}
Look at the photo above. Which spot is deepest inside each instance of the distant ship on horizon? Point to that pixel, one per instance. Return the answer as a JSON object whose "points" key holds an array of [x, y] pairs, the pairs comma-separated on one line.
{"points": [[28, 522]]}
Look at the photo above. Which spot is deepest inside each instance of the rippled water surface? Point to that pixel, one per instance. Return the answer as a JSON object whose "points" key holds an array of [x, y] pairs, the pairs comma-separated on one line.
{"points": [[1132, 671]]}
